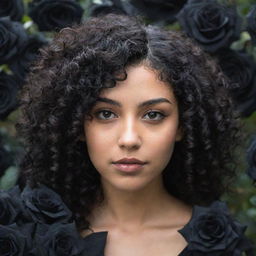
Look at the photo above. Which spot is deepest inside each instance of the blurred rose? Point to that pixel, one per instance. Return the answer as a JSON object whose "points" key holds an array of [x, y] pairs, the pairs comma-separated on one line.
{"points": [[43, 205], [9, 206], [212, 25], [251, 159], [103, 7], [240, 68], [12, 8], [12, 37], [159, 10], [251, 23], [55, 14], [15, 241], [8, 92], [59, 240], [27, 54]]}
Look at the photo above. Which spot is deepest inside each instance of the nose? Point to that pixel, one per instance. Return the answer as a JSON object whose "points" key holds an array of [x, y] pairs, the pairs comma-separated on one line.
{"points": [[129, 135]]}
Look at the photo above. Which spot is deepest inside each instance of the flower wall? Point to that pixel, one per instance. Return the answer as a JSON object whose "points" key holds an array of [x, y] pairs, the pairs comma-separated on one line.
{"points": [[224, 29]]}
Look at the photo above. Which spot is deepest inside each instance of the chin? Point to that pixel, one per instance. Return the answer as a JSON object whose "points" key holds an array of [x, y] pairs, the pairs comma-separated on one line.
{"points": [[130, 186]]}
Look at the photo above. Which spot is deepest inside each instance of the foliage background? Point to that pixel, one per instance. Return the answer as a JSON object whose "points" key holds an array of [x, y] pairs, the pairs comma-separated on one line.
{"points": [[242, 201]]}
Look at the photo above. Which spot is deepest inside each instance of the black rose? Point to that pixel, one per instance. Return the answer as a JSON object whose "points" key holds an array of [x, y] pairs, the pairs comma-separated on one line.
{"points": [[15, 241], [55, 14], [9, 206], [12, 37], [212, 25], [161, 11], [240, 68], [251, 23], [43, 205], [103, 7], [27, 54], [12, 8], [59, 240], [251, 159], [212, 231], [8, 91]]}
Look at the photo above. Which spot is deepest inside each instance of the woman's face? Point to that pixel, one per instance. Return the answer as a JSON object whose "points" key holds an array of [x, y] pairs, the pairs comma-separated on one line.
{"points": [[136, 119]]}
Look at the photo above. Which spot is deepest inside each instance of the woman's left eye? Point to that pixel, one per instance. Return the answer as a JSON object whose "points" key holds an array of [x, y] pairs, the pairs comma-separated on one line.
{"points": [[155, 115]]}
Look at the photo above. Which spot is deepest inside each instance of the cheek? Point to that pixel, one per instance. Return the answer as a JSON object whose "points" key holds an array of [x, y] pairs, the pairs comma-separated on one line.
{"points": [[164, 148], [98, 142], [162, 143], [166, 136]]}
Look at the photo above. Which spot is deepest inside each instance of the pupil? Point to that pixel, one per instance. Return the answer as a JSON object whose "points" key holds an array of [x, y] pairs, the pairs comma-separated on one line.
{"points": [[152, 114], [106, 114]]}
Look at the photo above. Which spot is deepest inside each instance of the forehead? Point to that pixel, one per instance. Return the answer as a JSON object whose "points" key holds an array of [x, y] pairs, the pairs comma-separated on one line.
{"points": [[142, 83]]}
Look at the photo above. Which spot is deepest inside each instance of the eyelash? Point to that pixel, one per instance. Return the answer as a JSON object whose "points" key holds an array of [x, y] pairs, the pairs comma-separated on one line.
{"points": [[162, 116]]}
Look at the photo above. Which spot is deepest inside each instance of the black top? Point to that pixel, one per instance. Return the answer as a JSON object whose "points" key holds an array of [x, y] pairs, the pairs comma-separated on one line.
{"points": [[210, 231]]}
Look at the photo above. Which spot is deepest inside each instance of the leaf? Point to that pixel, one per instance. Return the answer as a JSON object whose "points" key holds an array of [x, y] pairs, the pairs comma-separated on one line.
{"points": [[251, 212], [253, 200], [9, 179], [26, 18]]}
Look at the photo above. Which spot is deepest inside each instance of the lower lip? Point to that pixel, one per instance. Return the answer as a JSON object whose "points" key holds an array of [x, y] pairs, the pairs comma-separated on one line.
{"points": [[129, 167]]}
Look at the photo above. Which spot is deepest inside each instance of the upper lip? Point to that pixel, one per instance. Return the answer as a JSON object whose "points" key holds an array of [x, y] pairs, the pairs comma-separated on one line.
{"points": [[129, 161]]}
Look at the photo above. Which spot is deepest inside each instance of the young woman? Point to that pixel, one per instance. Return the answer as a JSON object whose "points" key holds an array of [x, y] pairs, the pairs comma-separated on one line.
{"points": [[133, 127]]}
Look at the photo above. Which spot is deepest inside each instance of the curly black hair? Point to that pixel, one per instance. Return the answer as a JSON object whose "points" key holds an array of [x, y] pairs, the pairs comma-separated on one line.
{"points": [[66, 81]]}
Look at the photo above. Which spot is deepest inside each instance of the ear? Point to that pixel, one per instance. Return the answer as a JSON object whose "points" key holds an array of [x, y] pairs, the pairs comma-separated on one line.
{"points": [[179, 134]]}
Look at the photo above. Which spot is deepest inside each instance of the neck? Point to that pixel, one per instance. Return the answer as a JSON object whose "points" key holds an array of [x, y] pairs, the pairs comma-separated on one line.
{"points": [[133, 209]]}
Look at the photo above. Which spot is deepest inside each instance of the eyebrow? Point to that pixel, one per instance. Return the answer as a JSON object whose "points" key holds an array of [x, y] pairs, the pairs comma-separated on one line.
{"points": [[142, 104]]}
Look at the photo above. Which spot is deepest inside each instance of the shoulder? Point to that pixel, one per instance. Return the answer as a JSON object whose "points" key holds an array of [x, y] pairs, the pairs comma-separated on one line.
{"points": [[213, 231]]}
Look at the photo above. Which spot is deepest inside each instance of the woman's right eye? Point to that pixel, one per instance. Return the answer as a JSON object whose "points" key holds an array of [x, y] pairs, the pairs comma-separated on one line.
{"points": [[105, 114]]}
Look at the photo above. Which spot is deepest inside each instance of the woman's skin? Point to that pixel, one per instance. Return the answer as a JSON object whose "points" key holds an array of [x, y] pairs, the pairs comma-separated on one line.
{"points": [[140, 216]]}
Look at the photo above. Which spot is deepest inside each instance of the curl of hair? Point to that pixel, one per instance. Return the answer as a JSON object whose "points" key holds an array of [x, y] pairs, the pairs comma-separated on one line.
{"points": [[66, 81]]}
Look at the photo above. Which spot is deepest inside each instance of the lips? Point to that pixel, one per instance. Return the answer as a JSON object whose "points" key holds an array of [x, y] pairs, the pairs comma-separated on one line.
{"points": [[129, 161], [129, 165], [129, 168]]}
